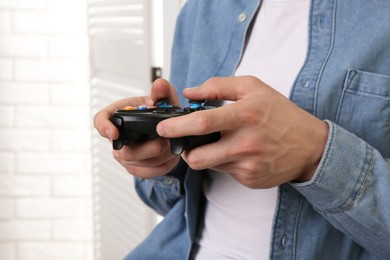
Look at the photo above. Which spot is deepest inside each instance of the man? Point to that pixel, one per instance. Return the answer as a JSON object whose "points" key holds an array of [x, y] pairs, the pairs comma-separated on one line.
{"points": [[300, 178]]}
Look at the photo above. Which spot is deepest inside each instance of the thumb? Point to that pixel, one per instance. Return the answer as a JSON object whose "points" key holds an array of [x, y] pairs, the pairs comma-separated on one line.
{"points": [[161, 88]]}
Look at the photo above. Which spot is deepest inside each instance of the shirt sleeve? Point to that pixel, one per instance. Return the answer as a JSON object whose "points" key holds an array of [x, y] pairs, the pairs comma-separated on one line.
{"points": [[351, 188], [162, 193]]}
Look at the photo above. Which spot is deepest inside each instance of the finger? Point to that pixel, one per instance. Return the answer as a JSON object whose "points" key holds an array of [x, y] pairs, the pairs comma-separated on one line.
{"points": [[200, 122], [223, 88], [145, 150], [161, 88], [149, 154], [206, 157], [149, 172], [102, 121], [149, 162]]}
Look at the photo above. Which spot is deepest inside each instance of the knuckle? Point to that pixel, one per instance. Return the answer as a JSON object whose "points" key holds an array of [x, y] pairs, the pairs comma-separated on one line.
{"points": [[123, 155], [167, 167], [246, 180], [97, 121], [253, 82], [247, 183], [246, 148], [194, 163], [249, 118], [213, 81], [205, 123], [158, 147], [251, 170], [131, 171], [137, 173], [251, 78], [248, 169]]}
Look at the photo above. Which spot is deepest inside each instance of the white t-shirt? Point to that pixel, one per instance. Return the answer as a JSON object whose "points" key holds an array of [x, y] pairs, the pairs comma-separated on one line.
{"points": [[238, 220]]}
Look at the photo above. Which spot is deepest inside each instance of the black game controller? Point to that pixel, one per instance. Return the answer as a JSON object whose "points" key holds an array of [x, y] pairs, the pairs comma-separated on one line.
{"points": [[137, 124]]}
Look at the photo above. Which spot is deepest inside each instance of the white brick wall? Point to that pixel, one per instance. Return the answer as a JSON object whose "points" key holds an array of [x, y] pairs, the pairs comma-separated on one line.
{"points": [[45, 181]]}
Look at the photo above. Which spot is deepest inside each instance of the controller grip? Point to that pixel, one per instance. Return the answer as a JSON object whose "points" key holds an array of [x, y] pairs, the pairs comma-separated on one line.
{"points": [[126, 138], [117, 144], [178, 145]]}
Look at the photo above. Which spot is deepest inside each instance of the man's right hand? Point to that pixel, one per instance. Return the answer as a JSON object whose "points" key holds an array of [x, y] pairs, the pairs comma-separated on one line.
{"points": [[147, 159]]}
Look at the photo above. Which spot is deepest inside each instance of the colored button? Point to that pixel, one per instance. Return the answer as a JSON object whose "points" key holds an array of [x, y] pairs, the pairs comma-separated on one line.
{"points": [[142, 108], [195, 106]]}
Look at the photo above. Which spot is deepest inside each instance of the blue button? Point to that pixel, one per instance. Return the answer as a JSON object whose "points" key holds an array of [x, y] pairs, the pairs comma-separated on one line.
{"points": [[142, 108]]}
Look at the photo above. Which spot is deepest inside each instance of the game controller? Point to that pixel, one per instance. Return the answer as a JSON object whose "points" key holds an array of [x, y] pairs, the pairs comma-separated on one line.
{"points": [[137, 124]]}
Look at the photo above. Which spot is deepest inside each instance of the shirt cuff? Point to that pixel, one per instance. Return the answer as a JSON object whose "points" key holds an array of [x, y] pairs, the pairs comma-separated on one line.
{"points": [[341, 173]]}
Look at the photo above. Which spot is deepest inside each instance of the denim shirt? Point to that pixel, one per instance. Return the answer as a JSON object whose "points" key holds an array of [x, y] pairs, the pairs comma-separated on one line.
{"points": [[343, 212]]}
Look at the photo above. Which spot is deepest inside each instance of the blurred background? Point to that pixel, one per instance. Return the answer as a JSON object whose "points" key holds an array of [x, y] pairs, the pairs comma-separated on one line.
{"points": [[62, 196]]}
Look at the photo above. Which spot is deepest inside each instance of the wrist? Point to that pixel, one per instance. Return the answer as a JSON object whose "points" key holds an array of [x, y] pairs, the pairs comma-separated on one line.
{"points": [[318, 145]]}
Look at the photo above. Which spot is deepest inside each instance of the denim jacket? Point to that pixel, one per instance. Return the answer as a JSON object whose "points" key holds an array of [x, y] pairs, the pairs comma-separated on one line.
{"points": [[344, 211]]}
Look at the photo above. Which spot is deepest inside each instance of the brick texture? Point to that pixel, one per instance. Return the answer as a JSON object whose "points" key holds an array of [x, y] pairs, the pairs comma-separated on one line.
{"points": [[45, 128]]}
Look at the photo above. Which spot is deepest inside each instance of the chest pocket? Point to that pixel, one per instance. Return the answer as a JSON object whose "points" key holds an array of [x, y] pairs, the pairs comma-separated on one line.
{"points": [[364, 108]]}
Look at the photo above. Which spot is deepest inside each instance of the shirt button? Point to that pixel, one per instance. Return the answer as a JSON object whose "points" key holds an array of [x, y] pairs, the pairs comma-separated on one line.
{"points": [[168, 180], [321, 21], [283, 242], [306, 83], [242, 17]]}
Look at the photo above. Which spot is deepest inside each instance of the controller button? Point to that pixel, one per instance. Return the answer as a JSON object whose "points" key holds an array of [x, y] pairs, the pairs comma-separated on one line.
{"points": [[117, 144], [196, 105], [162, 103], [129, 108], [178, 145], [142, 108]]}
